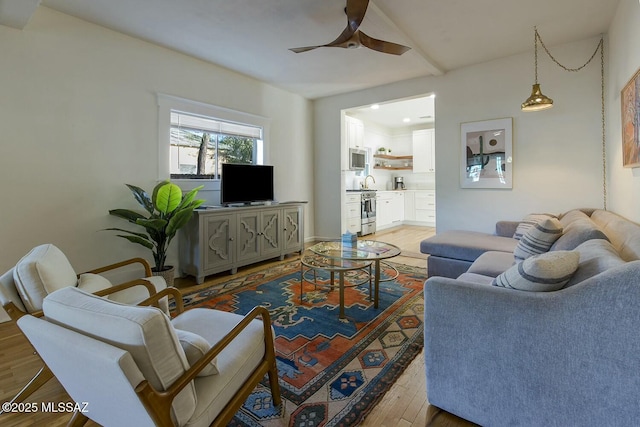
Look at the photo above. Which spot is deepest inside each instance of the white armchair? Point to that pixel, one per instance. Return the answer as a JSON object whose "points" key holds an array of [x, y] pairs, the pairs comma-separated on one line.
{"points": [[135, 366], [45, 269]]}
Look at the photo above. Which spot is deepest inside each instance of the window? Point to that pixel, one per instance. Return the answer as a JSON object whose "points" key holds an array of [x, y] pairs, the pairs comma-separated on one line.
{"points": [[196, 138], [199, 145]]}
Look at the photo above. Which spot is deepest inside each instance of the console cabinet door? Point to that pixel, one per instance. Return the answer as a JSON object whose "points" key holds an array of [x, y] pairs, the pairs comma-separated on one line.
{"points": [[270, 235], [292, 229], [248, 235], [218, 232]]}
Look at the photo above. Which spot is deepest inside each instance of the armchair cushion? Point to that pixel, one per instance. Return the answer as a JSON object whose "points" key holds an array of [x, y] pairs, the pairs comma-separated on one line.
{"points": [[145, 332], [139, 293], [195, 347], [43, 270], [542, 273], [8, 291], [90, 282]]}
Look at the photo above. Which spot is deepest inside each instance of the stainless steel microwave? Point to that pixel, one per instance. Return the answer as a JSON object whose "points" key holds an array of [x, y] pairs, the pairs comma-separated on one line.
{"points": [[357, 159]]}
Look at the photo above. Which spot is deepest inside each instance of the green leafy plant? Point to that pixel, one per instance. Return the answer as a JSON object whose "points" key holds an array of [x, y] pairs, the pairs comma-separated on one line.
{"points": [[168, 211]]}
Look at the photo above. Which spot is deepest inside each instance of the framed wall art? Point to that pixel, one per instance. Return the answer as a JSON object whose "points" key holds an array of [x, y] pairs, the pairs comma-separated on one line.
{"points": [[630, 111], [486, 160]]}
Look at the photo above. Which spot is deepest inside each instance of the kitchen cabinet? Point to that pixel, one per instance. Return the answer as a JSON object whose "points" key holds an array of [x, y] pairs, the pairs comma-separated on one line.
{"points": [[425, 207], [354, 214], [354, 131], [389, 209], [221, 239], [420, 207], [424, 154]]}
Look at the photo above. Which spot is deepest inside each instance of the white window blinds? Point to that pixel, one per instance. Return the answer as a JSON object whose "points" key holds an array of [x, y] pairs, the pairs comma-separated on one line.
{"points": [[190, 121]]}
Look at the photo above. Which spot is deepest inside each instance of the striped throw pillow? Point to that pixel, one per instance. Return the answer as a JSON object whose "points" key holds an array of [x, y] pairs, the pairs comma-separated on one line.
{"points": [[538, 239], [528, 222], [541, 273]]}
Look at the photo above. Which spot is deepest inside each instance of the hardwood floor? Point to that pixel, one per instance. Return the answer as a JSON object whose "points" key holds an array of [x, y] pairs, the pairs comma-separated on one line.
{"points": [[404, 404]]}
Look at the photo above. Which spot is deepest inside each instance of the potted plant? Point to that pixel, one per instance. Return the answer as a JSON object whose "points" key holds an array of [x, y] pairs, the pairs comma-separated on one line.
{"points": [[167, 210]]}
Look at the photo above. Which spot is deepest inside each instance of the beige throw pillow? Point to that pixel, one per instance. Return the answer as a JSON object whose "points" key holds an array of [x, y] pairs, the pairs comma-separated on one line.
{"points": [[528, 222], [550, 271], [195, 347], [538, 239]]}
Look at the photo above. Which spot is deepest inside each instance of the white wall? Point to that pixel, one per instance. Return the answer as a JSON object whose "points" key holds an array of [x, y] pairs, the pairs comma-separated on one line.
{"points": [[624, 61], [557, 153], [79, 119]]}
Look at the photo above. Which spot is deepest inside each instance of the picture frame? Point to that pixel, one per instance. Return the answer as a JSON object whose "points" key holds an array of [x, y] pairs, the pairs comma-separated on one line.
{"points": [[486, 159], [630, 114]]}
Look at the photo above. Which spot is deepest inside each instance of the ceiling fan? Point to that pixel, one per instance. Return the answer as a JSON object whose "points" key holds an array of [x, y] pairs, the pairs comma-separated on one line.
{"points": [[352, 37]]}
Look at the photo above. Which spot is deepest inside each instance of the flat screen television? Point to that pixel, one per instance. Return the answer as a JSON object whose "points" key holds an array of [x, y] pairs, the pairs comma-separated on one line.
{"points": [[246, 184]]}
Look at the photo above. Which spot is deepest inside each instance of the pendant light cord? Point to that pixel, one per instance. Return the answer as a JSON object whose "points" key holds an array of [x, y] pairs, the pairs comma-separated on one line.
{"points": [[602, 100]]}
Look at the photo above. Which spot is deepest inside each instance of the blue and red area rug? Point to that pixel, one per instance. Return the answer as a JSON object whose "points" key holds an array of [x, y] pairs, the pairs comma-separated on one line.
{"points": [[332, 372]]}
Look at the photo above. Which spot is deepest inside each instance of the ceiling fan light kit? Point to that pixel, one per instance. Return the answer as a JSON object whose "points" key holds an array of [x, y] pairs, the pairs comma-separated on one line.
{"points": [[352, 38]]}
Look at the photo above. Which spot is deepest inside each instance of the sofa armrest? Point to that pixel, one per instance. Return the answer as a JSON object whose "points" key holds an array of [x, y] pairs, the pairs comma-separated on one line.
{"points": [[497, 356], [506, 228]]}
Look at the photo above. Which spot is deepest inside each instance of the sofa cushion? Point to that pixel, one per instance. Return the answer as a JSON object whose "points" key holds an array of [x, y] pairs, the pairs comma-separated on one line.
{"points": [[479, 279], [195, 347], [43, 270], [538, 239], [622, 233], [528, 222], [492, 263], [541, 273], [465, 245], [596, 256], [578, 228], [145, 332]]}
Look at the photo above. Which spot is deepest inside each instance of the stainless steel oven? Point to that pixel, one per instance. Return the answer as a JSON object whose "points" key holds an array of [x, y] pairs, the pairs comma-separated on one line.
{"points": [[368, 212]]}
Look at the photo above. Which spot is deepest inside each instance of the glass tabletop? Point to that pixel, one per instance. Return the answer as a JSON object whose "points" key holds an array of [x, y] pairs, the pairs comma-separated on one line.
{"points": [[363, 250], [313, 260]]}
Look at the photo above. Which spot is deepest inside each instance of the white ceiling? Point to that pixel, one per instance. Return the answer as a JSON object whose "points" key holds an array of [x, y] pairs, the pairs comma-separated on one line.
{"points": [[253, 37], [400, 113]]}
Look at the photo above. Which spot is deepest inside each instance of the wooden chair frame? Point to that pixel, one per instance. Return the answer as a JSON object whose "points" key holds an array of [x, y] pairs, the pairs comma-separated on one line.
{"points": [[158, 403], [44, 374]]}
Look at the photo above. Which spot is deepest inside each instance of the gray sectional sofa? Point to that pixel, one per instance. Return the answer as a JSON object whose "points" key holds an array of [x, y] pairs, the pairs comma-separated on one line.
{"points": [[504, 357]]}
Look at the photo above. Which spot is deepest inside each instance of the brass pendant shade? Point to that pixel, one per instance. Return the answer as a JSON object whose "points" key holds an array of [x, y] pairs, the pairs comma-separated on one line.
{"points": [[537, 101]]}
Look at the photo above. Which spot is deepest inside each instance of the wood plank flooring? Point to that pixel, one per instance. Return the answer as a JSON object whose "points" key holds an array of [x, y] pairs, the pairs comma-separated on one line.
{"points": [[405, 404]]}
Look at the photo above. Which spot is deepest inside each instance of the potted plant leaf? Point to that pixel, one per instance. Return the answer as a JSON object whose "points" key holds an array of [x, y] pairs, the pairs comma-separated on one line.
{"points": [[167, 210]]}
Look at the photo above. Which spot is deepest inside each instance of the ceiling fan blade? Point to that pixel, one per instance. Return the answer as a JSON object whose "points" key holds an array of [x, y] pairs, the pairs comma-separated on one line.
{"points": [[341, 41], [303, 49], [381, 45], [355, 10]]}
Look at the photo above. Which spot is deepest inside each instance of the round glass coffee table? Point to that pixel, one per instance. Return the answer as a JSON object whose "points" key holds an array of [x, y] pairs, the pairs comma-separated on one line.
{"points": [[362, 250], [313, 262]]}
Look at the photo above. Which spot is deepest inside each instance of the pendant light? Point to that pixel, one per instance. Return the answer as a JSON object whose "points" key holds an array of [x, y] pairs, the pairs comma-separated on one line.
{"points": [[537, 101]]}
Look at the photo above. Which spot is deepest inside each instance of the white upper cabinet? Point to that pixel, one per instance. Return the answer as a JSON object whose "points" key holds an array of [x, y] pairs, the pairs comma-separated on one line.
{"points": [[424, 152], [355, 132]]}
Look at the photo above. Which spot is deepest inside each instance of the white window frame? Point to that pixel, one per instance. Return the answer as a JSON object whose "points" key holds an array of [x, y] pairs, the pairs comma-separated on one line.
{"points": [[166, 103]]}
